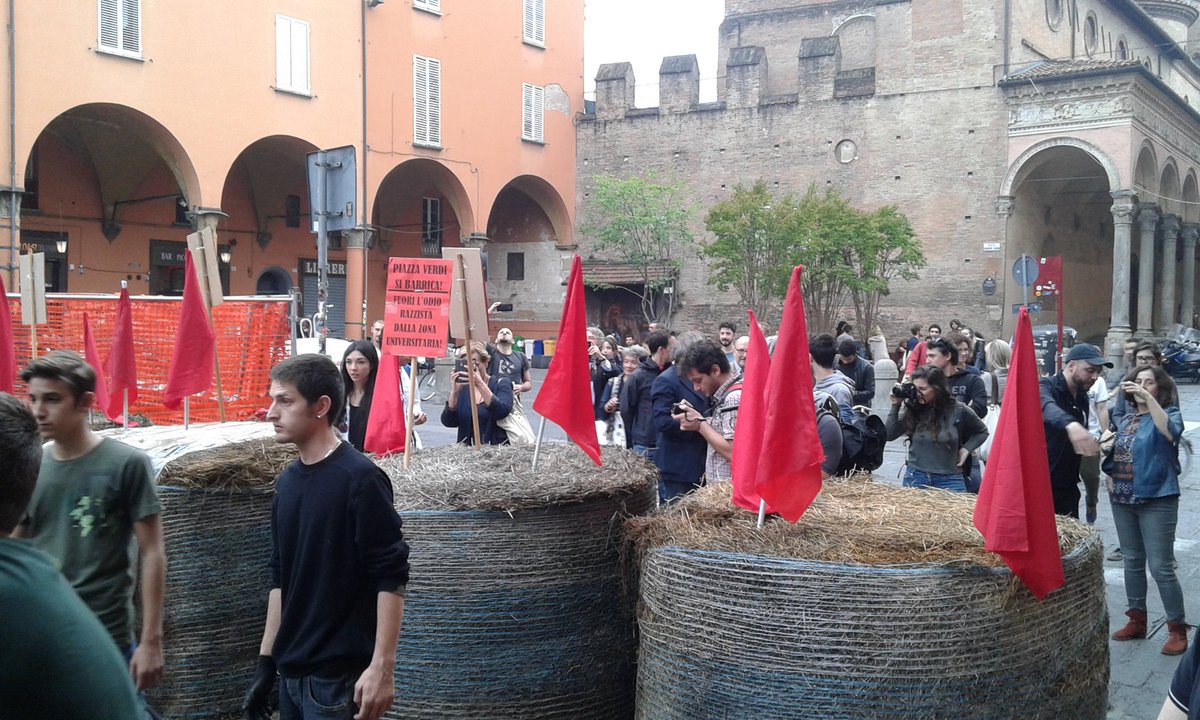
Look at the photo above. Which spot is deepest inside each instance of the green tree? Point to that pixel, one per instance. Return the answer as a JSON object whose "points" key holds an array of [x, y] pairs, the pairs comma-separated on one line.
{"points": [[643, 223], [753, 246], [889, 251]]}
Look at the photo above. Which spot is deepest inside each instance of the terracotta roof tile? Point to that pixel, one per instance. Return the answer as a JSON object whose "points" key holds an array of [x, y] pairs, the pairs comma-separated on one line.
{"points": [[617, 273], [1063, 68]]}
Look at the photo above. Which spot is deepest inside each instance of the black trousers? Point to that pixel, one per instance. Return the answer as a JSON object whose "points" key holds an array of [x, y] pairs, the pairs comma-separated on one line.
{"points": [[1066, 500]]}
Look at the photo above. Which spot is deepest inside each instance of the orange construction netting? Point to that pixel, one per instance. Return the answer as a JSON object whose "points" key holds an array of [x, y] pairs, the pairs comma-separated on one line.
{"points": [[252, 335]]}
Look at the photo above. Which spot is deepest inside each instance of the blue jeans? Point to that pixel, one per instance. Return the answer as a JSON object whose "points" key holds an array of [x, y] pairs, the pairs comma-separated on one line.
{"points": [[920, 478], [644, 451], [315, 698], [1147, 535]]}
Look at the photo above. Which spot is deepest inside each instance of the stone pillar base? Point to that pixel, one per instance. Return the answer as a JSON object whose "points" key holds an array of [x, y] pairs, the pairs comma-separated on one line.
{"points": [[1114, 344]]}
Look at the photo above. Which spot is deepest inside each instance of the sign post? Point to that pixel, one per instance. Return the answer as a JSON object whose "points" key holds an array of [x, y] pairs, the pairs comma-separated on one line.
{"points": [[332, 188], [33, 296], [416, 319]]}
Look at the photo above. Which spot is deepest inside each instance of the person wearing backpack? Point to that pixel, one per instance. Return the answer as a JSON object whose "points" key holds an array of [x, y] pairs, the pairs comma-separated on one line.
{"points": [[941, 431], [706, 367]]}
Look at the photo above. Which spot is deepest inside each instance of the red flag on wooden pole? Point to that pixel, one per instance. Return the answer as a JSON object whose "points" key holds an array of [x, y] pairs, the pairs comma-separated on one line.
{"points": [[566, 394], [751, 419], [385, 423], [789, 467], [1015, 509], [121, 363], [92, 356], [8, 351], [191, 369]]}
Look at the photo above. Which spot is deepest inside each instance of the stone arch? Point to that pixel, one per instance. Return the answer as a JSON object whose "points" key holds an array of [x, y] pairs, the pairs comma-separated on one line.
{"points": [[520, 190], [1145, 172], [405, 185], [856, 40], [1170, 193], [1191, 197], [1035, 156]]}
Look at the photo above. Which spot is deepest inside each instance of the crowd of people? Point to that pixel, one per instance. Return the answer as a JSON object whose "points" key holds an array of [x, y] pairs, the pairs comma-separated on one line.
{"points": [[83, 513]]}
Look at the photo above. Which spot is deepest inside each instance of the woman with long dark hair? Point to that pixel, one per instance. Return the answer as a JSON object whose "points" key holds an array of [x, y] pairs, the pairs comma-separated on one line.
{"points": [[941, 431], [1144, 491], [360, 367]]}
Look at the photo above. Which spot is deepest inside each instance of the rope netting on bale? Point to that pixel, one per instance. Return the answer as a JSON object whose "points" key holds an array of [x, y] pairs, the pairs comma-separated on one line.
{"points": [[251, 334], [517, 605], [216, 524], [881, 602]]}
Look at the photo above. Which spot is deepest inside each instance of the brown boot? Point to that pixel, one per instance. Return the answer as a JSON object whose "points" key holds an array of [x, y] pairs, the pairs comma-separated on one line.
{"points": [[1177, 640], [1135, 629]]}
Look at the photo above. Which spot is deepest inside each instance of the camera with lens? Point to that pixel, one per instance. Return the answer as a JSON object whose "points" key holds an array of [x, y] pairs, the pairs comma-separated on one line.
{"points": [[904, 391], [679, 408]]}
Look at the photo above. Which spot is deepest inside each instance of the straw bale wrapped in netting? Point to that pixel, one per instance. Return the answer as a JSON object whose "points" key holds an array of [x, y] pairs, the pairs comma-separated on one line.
{"points": [[216, 523], [516, 606], [880, 603]]}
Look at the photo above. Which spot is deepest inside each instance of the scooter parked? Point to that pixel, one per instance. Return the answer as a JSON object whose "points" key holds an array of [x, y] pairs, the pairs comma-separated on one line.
{"points": [[1181, 360]]}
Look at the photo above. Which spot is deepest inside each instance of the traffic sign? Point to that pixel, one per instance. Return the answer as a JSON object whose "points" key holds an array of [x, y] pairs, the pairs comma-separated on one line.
{"points": [[1025, 270]]}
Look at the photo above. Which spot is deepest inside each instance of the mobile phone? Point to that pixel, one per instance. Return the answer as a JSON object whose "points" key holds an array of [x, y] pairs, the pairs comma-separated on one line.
{"points": [[460, 365], [504, 307], [678, 408]]}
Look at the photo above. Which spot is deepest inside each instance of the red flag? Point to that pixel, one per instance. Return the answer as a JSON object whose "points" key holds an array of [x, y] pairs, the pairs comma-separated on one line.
{"points": [[191, 368], [92, 356], [751, 419], [789, 468], [8, 352], [566, 394], [1015, 509], [121, 365], [385, 423]]}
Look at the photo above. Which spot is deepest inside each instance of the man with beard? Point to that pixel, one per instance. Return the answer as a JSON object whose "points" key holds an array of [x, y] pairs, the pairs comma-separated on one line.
{"points": [[726, 332], [1065, 417]]}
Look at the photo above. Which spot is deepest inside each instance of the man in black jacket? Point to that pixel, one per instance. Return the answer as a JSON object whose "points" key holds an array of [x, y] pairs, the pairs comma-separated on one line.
{"points": [[339, 564], [636, 408], [681, 454], [860, 372], [1064, 414], [965, 386]]}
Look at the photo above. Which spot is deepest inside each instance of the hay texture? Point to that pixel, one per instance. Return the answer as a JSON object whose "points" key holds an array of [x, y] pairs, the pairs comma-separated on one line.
{"points": [[881, 602], [216, 521], [516, 606]]}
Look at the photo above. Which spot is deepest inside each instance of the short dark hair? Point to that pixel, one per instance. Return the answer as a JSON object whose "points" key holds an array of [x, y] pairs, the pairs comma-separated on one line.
{"points": [[727, 324], [822, 351], [313, 375], [64, 365], [1158, 356], [935, 325], [701, 356], [846, 348], [915, 328], [657, 340], [944, 346], [20, 458]]}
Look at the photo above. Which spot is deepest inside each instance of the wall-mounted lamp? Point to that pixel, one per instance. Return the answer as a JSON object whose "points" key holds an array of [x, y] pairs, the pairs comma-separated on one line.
{"points": [[227, 254], [60, 246]]}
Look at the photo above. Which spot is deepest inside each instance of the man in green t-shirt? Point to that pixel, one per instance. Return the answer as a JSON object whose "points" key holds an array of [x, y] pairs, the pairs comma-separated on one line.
{"points": [[94, 497], [58, 661]]}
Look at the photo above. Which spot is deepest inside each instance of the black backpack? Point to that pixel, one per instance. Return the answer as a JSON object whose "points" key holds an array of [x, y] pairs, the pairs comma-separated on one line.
{"points": [[862, 444]]}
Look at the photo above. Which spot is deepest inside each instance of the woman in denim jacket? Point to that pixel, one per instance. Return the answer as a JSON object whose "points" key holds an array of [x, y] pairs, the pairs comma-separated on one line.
{"points": [[1144, 490]]}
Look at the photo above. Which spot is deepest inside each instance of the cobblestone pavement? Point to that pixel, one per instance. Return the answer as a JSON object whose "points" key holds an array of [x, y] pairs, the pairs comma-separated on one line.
{"points": [[1140, 673]]}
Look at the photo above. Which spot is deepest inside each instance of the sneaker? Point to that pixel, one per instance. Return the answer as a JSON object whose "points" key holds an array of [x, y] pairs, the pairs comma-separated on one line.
{"points": [[1115, 555], [1091, 514]]}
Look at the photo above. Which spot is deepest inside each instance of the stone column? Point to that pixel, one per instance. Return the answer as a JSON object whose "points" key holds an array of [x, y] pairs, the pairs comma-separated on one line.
{"points": [[356, 293], [1147, 220], [1122, 212], [10, 234], [1187, 303], [1166, 312]]}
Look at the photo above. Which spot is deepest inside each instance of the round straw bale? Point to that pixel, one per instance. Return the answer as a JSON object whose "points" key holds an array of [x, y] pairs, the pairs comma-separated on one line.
{"points": [[216, 524], [880, 602], [516, 607]]}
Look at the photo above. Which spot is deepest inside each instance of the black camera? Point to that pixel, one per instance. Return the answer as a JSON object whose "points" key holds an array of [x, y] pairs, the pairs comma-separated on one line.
{"points": [[904, 391], [679, 408]]}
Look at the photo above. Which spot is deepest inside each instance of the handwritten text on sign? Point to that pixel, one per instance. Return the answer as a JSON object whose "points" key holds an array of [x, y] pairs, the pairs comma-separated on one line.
{"points": [[416, 319]]}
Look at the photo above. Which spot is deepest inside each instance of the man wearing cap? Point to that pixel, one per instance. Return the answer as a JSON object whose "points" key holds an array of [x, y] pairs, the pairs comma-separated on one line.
{"points": [[1065, 417]]}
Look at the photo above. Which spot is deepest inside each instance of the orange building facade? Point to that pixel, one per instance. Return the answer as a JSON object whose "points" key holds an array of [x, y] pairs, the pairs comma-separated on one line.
{"points": [[132, 123]]}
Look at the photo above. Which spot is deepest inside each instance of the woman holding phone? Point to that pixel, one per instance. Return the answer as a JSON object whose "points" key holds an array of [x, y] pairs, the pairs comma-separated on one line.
{"points": [[1144, 491], [493, 397]]}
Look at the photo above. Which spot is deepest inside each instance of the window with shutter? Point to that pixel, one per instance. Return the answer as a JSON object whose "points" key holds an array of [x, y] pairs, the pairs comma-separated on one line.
{"points": [[533, 110], [433, 6], [291, 55], [431, 227], [427, 101], [120, 25], [534, 29]]}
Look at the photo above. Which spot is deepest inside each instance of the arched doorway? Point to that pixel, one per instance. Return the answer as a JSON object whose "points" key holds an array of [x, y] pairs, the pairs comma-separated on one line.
{"points": [[273, 281]]}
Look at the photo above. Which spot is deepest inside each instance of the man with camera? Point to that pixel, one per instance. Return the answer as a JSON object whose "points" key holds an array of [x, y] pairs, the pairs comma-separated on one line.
{"points": [[705, 365]]}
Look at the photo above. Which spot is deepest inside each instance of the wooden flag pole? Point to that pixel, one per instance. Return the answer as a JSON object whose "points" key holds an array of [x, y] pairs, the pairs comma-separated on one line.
{"points": [[462, 278], [409, 433], [33, 343], [217, 367]]}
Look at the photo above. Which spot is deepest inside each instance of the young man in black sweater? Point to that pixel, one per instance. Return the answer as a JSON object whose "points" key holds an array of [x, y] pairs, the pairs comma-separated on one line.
{"points": [[339, 563]]}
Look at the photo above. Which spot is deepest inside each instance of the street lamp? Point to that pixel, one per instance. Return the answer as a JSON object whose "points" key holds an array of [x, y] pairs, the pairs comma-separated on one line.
{"points": [[60, 246]]}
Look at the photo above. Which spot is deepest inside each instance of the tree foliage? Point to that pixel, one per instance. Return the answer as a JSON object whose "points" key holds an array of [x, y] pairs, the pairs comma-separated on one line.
{"points": [[850, 256], [642, 222]]}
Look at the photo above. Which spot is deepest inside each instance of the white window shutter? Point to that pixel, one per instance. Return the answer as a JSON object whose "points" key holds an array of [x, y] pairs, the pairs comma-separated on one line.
{"points": [[420, 101], [539, 113], [131, 26], [435, 102], [534, 23], [532, 111], [283, 52], [299, 57], [110, 24]]}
